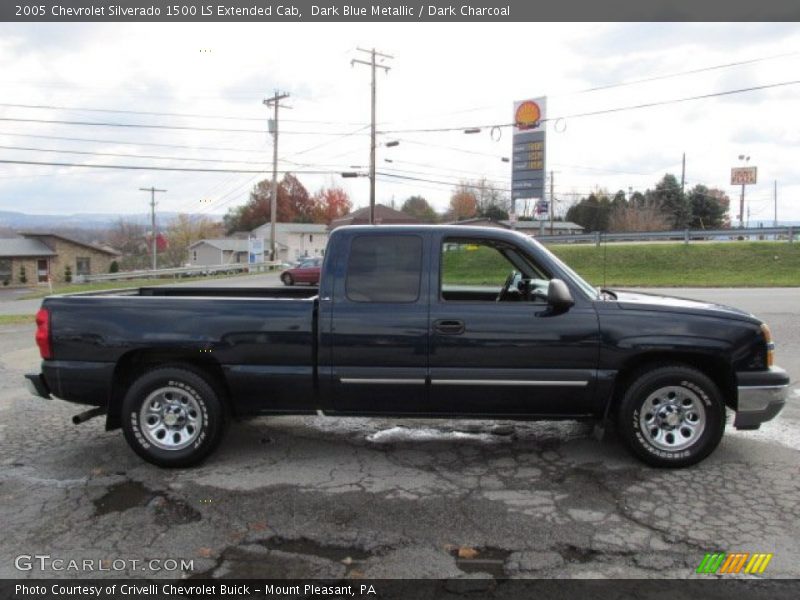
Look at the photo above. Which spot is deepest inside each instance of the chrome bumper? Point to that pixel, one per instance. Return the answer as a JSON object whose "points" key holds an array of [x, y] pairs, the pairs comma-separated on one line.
{"points": [[762, 395]]}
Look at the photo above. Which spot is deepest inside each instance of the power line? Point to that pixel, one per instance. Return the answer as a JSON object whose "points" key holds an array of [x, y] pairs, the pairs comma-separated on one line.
{"points": [[680, 74], [122, 155], [447, 183], [126, 143], [604, 111], [618, 84], [165, 127], [166, 114], [155, 168]]}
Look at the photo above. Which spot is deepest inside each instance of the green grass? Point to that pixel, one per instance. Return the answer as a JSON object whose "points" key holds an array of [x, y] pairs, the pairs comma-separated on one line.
{"points": [[728, 264], [17, 320]]}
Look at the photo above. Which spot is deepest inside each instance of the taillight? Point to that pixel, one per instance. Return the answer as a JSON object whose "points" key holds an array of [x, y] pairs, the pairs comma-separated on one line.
{"points": [[770, 344], [43, 333]]}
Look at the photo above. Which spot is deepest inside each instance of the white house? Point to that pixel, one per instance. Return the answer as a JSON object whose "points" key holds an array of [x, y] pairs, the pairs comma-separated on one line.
{"points": [[218, 252], [295, 241]]}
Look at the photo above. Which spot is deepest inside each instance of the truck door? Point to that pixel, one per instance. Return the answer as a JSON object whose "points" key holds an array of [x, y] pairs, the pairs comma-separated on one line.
{"points": [[496, 347], [378, 332]]}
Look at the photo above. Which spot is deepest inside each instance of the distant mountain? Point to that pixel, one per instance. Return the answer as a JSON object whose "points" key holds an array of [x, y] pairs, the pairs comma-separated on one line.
{"points": [[22, 221]]}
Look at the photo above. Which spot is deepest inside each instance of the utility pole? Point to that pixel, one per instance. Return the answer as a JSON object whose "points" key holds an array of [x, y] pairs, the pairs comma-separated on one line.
{"points": [[153, 191], [775, 199], [275, 103], [683, 172], [374, 66], [552, 202]]}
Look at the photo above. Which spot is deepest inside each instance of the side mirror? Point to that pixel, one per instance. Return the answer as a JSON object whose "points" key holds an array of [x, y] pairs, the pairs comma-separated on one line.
{"points": [[558, 295]]}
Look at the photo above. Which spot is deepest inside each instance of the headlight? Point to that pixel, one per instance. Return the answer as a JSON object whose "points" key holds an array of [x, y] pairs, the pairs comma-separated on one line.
{"points": [[770, 344]]}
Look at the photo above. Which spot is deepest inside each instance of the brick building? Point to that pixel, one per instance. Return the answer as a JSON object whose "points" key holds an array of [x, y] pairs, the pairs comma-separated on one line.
{"points": [[33, 257]]}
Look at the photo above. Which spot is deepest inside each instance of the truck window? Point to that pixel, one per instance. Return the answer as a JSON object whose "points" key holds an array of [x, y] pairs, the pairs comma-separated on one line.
{"points": [[384, 268], [478, 270]]}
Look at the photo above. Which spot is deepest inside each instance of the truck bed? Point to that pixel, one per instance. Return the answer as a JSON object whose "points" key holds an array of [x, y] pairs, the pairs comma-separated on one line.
{"points": [[253, 334]]}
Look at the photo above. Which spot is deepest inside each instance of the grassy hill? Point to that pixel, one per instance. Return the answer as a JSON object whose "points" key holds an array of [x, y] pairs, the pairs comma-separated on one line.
{"points": [[724, 264]]}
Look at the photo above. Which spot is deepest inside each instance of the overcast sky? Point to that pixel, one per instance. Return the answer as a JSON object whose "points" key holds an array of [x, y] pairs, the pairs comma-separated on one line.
{"points": [[442, 75]]}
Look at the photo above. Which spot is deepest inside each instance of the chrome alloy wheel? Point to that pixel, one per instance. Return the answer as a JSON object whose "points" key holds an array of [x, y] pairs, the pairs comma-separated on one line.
{"points": [[672, 418], [170, 418]]}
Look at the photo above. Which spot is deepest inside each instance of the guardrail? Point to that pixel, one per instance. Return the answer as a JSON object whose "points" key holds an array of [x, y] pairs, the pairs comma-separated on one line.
{"points": [[684, 235], [179, 271]]}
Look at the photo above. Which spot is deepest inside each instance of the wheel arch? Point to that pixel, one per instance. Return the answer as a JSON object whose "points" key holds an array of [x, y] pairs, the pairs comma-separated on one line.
{"points": [[134, 363], [715, 368]]}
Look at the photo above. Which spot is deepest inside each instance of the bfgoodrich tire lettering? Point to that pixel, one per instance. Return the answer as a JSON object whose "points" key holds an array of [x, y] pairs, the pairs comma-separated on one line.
{"points": [[173, 416], [672, 416]]}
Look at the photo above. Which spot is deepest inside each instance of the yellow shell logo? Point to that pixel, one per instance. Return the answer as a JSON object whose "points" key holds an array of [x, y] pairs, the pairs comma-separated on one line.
{"points": [[528, 115]]}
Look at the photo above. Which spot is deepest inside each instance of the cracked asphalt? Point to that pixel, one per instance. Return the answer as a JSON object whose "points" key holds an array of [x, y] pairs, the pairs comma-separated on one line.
{"points": [[317, 497]]}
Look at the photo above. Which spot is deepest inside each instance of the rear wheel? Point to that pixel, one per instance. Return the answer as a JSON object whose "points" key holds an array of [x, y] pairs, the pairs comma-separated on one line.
{"points": [[287, 279], [672, 416], [172, 417]]}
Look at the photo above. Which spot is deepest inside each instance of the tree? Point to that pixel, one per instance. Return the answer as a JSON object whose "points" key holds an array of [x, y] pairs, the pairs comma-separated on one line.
{"points": [[633, 217], [294, 205], [463, 204], [130, 239], [709, 208], [182, 233], [329, 204], [488, 196], [495, 213], [592, 213], [672, 201], [418, 207]]}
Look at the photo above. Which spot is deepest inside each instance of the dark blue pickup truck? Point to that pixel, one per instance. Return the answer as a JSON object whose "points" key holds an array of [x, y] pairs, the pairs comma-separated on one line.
{"points": [[411, 321]]}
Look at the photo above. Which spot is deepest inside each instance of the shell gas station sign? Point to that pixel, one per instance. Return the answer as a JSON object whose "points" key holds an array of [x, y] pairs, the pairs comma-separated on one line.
{"points": [[529, 144]]}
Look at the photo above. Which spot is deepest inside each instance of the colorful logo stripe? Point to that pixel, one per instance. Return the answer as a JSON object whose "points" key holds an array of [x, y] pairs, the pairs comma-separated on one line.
{"points": [[732, 563]]}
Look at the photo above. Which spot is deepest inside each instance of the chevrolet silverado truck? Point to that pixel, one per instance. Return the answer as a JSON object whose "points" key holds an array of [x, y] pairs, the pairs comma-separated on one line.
{"points": [[411, 321]]}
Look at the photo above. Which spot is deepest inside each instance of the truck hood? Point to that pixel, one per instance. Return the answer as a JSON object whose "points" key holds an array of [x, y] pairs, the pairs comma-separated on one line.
{"points": [[642, 301]]}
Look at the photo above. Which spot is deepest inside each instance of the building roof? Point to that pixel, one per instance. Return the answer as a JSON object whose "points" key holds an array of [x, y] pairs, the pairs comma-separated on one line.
{"points": [[96, 248], [292, 228], [383, 214], [19, 247], [482, 222], [226, 244]]}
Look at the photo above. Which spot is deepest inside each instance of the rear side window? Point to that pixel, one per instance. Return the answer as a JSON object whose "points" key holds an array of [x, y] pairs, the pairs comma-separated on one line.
{"points": [[384, 268]]}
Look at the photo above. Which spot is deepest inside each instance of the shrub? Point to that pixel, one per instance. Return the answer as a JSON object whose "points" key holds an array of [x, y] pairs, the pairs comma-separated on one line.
{"points": [[114, 268], [23, 277], [68, 274]]}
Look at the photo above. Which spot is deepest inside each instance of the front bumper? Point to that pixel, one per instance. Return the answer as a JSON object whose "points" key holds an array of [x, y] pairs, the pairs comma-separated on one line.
{"points": [[762, 395]]}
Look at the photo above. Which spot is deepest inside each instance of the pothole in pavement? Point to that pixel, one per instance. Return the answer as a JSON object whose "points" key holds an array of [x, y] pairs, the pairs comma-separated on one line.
{"points": [[280, 557], [131, 494], [488, 559], [343, 554]]}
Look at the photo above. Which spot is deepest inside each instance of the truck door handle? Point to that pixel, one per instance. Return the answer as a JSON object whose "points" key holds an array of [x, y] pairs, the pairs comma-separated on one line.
{"points": [[449, 327]]}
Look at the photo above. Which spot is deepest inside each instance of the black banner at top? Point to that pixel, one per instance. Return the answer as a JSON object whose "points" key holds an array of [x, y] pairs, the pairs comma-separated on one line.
{"points": [[397, 10]]}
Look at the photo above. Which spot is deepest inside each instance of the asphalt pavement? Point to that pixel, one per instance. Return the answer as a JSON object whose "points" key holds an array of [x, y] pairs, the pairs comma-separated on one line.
{"points": [[323, 497]]}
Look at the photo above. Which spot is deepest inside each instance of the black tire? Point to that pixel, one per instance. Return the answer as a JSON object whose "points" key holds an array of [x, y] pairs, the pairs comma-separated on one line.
{"points": [[671, 441], [287, 279], [192, 391]]}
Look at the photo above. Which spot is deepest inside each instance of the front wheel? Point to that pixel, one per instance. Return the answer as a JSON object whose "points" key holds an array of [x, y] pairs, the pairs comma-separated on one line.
{"points": [[672, 416], [287, 279], [172, 417]]}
